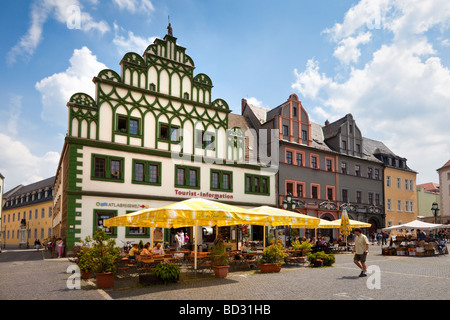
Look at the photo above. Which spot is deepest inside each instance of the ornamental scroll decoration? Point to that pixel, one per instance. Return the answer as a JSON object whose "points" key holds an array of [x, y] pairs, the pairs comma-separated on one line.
{"points": [[349, 207], [328, 205]]}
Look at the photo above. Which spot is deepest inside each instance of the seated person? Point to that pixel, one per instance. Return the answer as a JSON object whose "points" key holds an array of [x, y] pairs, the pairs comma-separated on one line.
{"points": [[146, 251], [133, 251], [158, 249], [245, 247]]}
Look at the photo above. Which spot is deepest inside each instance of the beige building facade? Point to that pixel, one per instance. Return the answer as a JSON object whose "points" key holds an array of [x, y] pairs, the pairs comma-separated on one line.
{"points": [[444, 183]]}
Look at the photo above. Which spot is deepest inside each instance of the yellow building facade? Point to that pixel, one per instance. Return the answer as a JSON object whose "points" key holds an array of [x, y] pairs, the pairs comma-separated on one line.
{"points": [[400, 196], [30, 206]]}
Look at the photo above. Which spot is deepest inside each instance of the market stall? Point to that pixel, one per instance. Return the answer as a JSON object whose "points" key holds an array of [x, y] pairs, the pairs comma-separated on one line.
{"points": [[412, 241]]}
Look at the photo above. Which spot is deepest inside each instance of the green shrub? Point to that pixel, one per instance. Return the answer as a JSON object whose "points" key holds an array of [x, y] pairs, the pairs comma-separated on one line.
{"points": [[328, 259], [219, 255], [104, 253], [273, 254], [167, 272], [305, 246], [86, 260]]}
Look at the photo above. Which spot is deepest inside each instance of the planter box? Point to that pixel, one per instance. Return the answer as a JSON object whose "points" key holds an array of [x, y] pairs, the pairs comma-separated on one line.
{"points": [[86, 274], [221, 271], [105, 280], [269, 267]]}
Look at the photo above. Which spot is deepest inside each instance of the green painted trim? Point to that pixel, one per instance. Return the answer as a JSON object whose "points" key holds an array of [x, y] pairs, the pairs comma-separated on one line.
{"points": [[97, 80], [160, 153], [221, 173], [72, 214], [170, 126], [146, 164], [74, 164], [187, 177], [128, 134], [252, 184], [94, 221], [108, 175], [128, 235]]}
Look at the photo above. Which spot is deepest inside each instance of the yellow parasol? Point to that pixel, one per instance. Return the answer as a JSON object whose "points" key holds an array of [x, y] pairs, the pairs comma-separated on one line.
{"points": [[345, 226], [192, 212], [280, 217]]}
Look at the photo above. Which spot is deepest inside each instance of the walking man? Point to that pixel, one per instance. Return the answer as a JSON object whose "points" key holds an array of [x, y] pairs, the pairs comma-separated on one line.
{"points": [[361, 250]]}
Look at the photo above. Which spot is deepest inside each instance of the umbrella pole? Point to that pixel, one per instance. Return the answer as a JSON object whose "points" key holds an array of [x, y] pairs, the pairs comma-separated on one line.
{"points": [[264, 237], [195, 248], [151, 238]]}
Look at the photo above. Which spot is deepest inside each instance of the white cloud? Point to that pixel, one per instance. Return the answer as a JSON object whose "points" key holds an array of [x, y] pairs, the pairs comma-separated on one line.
{"points": [[400, 96], [134, 6], [254, 101], [61, 11], [131, 42], [9, 117], [57, 89], [20, 166], [310, 82], [348, 50]]}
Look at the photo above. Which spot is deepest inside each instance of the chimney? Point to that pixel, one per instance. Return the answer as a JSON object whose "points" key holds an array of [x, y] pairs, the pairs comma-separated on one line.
{"points": [[327, 122], [243, 103]]}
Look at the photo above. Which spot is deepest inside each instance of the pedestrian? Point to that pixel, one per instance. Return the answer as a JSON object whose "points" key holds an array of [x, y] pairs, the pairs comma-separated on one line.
{"points": [[53, 246], [178, 241], [186, 238], [60, 244], [384, 238], [361, 249], [378, 238], [182, 237], [50, 247]]}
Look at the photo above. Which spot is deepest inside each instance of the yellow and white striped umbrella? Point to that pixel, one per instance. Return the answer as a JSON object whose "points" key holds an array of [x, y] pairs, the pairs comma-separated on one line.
{"points": [[280, 217], [345, 226], [191, 212]]}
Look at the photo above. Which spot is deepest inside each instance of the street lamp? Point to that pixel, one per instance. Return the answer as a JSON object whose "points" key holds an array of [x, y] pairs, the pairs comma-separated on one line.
{"points": [[435, 209], [289, 204]]}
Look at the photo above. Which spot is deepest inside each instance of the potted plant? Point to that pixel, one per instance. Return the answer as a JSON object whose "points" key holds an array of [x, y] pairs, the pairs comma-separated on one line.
{"points": [[163, 273], [106, 256], [272, 258], [320, 259], [219, 260], [85, 262], [167, 272], [303, 247]]}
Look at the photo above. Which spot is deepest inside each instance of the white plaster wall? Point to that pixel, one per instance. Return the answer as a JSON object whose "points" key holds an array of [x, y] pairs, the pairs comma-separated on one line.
{"points": [[167, 188]]}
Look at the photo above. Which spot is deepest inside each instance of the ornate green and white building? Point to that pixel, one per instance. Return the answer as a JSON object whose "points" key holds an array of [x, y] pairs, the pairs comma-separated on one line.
{"points": [[153, 135]]}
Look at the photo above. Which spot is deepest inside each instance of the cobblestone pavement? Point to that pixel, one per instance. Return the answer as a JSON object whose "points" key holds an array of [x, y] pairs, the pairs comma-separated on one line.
{"points": [[25, 275]]}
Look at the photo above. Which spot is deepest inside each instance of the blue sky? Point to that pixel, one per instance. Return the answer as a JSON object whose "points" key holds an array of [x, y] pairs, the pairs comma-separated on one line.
{"points": [[385, 61]]}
